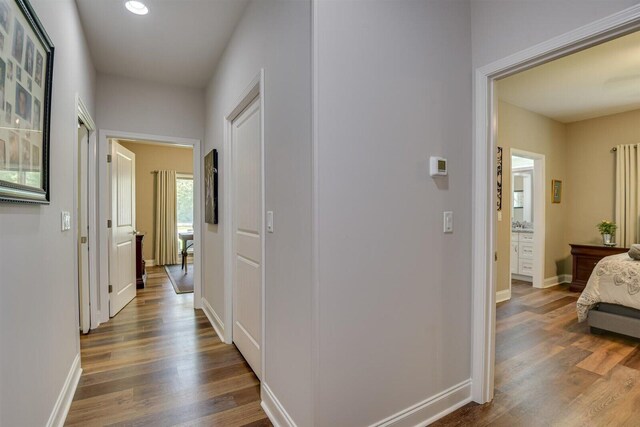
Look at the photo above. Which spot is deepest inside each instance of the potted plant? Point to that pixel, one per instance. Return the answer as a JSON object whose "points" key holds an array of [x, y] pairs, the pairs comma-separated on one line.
{"points": [[607, 229]]}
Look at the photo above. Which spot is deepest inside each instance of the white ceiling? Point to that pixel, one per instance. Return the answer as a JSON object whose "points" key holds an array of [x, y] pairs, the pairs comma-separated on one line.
{"points": [[178, 42], [596, 82]]}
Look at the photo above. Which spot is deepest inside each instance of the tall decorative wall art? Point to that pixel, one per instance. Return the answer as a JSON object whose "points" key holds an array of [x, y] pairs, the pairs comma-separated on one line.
{"points": [[26, 76]]}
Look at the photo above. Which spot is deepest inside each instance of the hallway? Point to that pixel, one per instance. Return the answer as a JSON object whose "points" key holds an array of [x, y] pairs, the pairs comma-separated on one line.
{"points": [[160, 363]]}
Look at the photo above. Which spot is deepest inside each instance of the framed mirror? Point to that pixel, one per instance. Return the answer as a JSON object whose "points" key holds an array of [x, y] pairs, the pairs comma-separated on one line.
{"points": [[26, 76]]}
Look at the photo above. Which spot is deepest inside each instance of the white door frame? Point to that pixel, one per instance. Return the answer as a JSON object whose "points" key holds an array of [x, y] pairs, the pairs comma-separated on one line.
{"points": [[104, 136], [484, 187], [82, 114], [253, 90], [539, 222]]}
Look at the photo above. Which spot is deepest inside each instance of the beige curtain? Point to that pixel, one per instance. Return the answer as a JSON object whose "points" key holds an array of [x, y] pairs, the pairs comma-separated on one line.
{"points": [[627, 206], [166, 236]]}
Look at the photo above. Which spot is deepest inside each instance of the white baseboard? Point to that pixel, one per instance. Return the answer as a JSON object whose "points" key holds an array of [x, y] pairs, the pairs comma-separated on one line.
{"points": [[431, 409], [63, 403], [503, 295], [274, 409], [557, 280], [149, 262], [214, 319]]}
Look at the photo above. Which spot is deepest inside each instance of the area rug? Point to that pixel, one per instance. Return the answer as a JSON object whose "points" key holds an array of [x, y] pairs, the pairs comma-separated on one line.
{"points": [[182, 283]]}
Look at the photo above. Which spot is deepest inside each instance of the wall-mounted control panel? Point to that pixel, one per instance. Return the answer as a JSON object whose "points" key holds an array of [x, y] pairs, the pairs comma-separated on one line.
{"points": [[438, 166]]}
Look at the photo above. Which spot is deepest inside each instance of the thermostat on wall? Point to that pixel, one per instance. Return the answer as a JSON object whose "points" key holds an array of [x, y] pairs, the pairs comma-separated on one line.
{"points": [[437, 166]]}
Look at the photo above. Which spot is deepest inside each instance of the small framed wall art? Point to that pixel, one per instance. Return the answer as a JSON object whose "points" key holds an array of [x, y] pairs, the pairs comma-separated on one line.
{"points": [[211, 187], [556, 191], [26, 76]]}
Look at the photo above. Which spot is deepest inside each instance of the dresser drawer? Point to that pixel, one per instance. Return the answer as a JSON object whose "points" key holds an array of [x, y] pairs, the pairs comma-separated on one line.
{"points": [[584, 267]]}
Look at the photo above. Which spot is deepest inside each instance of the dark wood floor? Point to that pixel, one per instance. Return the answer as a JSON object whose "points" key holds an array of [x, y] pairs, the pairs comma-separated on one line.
{"points": [[160, 363], [550, 371]]}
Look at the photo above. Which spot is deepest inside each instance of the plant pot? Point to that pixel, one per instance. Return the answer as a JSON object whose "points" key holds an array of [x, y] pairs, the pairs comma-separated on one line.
{"points": [[607, 240]]}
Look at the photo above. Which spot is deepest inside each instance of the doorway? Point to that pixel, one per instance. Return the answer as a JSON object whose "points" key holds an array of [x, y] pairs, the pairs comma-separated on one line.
{"points": [[146, 179], [485, 123], [85, 223], [526, 225], [82, 215]]}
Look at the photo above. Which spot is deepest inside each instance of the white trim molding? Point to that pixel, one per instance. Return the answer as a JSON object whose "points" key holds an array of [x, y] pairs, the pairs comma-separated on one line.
{"points": [[557, 280], [484, 214], [503, 295], [63, 403], [214, 319], [431, 409], [149, 262], [274, 409]]}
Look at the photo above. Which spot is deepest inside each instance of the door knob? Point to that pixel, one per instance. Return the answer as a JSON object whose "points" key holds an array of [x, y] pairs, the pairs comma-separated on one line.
{"points": [[134, 232]]}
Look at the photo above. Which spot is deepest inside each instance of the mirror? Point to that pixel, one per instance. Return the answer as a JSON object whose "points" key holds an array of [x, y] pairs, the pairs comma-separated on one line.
{"points": [[522, 187]]}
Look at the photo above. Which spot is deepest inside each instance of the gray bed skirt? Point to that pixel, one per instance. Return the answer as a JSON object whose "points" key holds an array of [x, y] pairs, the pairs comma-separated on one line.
{"points": [[615, 318]]}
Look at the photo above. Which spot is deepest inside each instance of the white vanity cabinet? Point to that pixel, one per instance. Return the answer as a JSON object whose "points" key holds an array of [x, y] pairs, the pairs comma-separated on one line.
{"points": [[522, 254]]}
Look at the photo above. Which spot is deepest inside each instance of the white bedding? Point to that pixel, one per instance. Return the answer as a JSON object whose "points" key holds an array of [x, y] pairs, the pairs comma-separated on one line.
{"points": [[615, 280]]}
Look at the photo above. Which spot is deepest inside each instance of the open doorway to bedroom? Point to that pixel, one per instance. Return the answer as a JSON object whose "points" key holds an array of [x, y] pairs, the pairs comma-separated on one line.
{"points": [[572, 113], [570, 346]]}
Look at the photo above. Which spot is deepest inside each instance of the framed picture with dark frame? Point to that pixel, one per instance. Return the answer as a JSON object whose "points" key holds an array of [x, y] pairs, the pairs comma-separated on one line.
{"points": [[211, 187], [25, 104]]}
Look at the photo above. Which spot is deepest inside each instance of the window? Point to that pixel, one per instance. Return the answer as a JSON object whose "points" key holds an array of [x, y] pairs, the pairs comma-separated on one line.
{"points": [[184, 196]]}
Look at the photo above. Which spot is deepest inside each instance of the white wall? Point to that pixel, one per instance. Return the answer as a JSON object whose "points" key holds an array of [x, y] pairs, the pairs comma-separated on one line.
{"points": [[394, 291], [501, 28], [39, 336], [274, 35], [130, 105]]}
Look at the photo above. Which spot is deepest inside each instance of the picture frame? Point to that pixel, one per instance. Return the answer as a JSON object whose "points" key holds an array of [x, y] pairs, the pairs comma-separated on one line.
{"points": [[26, 79], [211, 187], [556, 191], [499, 179]]}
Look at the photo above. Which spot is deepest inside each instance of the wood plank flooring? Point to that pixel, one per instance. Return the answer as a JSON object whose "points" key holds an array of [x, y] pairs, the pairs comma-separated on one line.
{"points": [[160, 363], [550, 371]]}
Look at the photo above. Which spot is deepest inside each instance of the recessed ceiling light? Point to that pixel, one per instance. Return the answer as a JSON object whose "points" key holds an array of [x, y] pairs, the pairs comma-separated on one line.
{"points": [[136, 7]]}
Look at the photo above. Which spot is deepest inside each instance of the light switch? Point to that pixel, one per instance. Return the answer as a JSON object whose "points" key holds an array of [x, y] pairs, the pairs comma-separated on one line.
{"points": [[66, 221], [448, 222], [269, 221]]}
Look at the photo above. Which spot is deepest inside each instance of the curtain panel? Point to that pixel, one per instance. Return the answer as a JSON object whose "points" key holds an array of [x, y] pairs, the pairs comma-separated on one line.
{"points": [[627, 201], [166, 232]]}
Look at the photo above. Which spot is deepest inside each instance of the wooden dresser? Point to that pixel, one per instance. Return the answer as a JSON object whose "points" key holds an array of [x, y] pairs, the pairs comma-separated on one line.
{"points": [[585, 258], [141, 273]]}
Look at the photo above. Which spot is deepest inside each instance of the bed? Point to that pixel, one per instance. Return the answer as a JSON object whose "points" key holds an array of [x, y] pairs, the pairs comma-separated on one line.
{"points": [[611, 299]]}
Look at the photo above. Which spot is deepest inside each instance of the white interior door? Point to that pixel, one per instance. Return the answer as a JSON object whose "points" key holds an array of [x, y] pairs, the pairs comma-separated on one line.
{"points": [[83, 229], [122, 254], [247, 232]]}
